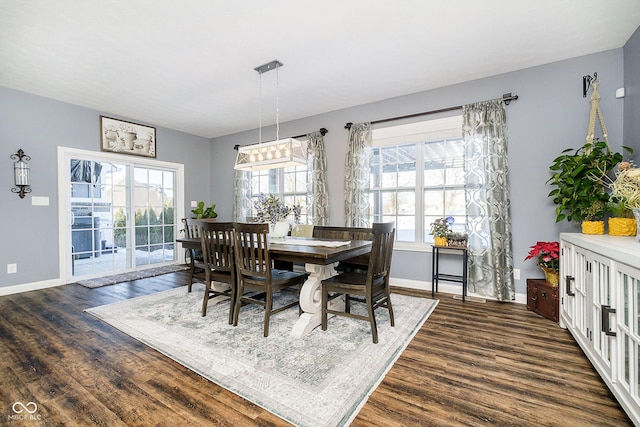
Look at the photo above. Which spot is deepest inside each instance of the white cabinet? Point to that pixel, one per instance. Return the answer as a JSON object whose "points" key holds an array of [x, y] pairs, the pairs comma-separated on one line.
{"points": [[600, 306]]}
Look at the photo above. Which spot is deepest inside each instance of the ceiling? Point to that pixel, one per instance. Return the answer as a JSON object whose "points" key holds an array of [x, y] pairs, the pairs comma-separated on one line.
{"points": [[189, 65]]}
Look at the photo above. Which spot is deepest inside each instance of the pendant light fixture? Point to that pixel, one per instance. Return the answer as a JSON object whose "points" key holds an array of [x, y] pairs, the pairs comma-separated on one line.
{"points": [[273, 154]]}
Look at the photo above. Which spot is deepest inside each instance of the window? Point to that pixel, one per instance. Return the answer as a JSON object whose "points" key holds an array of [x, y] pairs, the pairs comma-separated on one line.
{"points": [[289, 184], [417, 176]]}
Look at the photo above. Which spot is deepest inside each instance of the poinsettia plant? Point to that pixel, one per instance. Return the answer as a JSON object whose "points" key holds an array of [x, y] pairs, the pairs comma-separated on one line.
{"points": [[547, 253]]}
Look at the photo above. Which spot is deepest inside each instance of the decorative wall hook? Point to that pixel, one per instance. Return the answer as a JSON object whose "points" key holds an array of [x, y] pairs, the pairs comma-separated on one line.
{"points": [[21, 173], [586, 83]]}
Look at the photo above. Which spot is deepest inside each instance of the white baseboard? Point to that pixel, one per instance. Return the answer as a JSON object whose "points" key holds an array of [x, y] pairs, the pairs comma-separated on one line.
{"points": [[448, 288], [25, 287], [401, 283]]}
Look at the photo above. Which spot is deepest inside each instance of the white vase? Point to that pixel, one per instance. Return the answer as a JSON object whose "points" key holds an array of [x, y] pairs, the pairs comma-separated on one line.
{"points": [[636, 213], [278, 230]]}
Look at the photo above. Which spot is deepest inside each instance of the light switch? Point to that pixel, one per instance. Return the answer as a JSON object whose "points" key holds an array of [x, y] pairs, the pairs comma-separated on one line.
{"points": [[39, 201]]}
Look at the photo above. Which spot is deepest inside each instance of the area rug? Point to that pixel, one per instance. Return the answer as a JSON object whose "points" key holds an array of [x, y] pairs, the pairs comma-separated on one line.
{"points": [[131, 275], [322, 379]]}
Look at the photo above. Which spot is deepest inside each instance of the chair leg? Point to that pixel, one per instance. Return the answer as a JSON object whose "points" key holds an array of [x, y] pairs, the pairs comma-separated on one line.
{"points": [[372, 320], [232, 304], [268, 304], [390, 308], [191, 273], [238, 297], [347, 304], [323, 307], [205, 299]]}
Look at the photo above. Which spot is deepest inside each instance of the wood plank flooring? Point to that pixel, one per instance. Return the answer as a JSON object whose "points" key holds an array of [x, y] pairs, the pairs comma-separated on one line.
{"points": [[472, 364]]}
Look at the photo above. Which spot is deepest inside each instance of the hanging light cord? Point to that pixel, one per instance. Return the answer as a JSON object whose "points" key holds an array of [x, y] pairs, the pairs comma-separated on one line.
{"points": [[277, 103], [259, 107]]}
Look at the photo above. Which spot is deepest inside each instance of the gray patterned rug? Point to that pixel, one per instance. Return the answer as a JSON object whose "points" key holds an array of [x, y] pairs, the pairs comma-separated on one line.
{"points": [[131, 275], [322, 379]]}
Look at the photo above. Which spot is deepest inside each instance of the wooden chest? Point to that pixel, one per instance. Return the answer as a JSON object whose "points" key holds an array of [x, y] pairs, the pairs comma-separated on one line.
{"points": [[542, 298]]}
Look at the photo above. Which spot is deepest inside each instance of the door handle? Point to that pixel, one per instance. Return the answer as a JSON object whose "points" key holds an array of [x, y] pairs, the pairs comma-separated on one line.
{"points": [[605, 311], [567, 281]]}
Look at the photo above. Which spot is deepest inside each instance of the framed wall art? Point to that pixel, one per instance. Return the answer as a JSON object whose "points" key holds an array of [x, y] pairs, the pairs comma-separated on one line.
{"points": [[120, 136]]}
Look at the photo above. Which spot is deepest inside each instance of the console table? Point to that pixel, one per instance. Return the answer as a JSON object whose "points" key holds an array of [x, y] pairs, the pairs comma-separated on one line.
{"points": [[435, 268]]}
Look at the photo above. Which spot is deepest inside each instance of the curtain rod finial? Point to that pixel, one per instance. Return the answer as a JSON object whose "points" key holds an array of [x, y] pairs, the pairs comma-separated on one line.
{"points": [[323, 131], [348, 125]]}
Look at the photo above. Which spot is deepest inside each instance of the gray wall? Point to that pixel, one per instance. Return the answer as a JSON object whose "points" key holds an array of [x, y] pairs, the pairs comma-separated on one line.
{"points": [[550, 115], [632, 93], [38, 126]]}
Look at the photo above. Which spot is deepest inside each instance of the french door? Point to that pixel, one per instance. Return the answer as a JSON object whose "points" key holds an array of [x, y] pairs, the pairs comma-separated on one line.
{"points": [[120, 214]]}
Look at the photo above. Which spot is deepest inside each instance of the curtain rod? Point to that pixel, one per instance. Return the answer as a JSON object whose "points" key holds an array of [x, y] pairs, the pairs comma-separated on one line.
{"points": [[507, 98], [323, 132]]}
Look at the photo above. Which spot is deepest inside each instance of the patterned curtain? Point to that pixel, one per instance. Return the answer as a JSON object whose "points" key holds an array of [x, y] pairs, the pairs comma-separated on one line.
{"points": [[487, 198], [356, 180], [317, 196], [241, 196]]}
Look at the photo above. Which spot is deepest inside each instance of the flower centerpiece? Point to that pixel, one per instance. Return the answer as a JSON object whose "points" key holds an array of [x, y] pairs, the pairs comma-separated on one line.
{"points": [[269, 208], [440, 229], [548, 256], [626, 189]]}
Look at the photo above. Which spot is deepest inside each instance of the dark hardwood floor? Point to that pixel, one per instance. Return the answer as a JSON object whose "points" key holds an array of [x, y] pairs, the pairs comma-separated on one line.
{"points": [[491, 364]]}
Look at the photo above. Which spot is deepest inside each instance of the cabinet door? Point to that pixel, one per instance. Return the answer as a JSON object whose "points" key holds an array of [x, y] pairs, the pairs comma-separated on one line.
{"points": [[567, 285], [582, 290], [603, 308], [627, 281]]}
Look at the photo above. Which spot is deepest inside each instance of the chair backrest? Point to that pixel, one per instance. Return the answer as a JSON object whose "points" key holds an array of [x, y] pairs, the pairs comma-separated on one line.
{"points": [[252, 250], [346, 233], [302, 230], [191, 228], [381, 251], [217, 246]]}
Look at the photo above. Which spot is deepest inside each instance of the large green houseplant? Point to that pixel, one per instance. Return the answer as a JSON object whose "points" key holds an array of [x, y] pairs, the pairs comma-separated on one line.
{"points": [[577, 175]]}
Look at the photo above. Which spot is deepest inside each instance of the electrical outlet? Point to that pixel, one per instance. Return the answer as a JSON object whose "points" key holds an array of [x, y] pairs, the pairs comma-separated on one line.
{"points": [[194, 204], [516, 274], [12, 268]]}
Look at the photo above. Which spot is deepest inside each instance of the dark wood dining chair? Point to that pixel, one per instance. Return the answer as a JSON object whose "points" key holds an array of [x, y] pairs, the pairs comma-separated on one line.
{"points": [[370, 287], [220, 271], [258, 280], [191, 231]]}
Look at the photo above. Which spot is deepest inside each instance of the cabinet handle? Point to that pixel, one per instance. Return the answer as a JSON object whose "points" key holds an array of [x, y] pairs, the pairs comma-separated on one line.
{"points": [[605, 311], [568, 280]]}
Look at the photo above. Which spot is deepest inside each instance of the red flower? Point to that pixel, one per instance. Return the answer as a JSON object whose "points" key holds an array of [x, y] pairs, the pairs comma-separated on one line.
{"points": [[547, 253]]}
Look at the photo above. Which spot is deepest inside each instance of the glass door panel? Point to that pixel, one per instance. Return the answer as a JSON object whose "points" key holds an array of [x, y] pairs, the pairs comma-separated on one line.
{"points": [[154, 194], [98, 209], [122, 216]]}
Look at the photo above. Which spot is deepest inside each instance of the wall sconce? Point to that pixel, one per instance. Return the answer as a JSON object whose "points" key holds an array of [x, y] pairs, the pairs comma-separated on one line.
{"points": [[21, 173]]}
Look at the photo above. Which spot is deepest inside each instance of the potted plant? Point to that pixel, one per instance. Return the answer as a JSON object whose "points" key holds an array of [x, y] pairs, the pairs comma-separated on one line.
{"points": [[621, 221], [202, 212], [548, 257], [626, 189], [272, 210], [440, 229], [580, 193]]}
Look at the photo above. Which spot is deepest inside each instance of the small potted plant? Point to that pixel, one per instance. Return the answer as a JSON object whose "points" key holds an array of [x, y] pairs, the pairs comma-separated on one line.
{"points": [[202, 212], [626, 189], [440, 229], [548, 257]]}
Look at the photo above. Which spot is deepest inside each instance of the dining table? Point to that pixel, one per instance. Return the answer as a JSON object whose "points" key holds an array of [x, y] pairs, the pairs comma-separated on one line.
{"points": [[320, 257]]}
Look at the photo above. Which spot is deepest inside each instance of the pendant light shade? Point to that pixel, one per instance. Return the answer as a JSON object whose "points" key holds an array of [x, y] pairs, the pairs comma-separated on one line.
{"points": [[274, 154], [280, 153]]}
